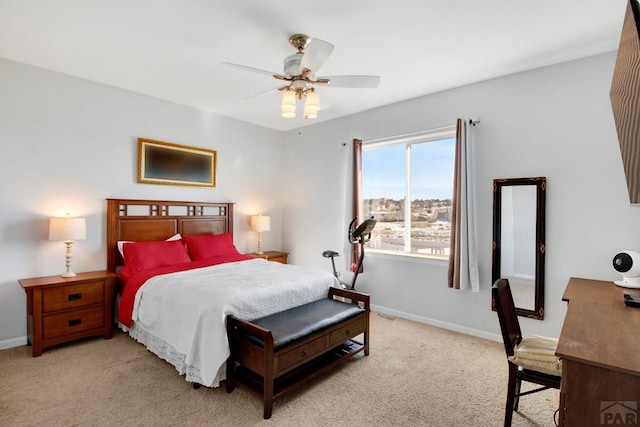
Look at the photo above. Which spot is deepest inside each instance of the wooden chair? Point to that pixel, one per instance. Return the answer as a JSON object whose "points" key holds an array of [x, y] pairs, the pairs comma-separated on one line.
{"points": [[531, 358]]}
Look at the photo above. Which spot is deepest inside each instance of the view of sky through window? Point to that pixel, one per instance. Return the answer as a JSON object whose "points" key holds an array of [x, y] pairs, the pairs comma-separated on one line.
{"points": [[431, 171]]}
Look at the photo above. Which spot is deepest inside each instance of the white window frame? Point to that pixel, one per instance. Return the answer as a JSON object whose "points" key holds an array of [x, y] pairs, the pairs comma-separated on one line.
{"points": [[408, 140]]}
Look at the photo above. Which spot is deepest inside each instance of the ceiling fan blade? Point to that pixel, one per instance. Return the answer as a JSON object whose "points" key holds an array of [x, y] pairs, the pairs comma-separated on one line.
{"points": [[315, 54], [353, 81], [255, 95], [250, 69]]}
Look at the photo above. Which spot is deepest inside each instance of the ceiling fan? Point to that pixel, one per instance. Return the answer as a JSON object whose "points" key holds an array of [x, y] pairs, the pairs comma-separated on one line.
{"points": [[300, 75]]}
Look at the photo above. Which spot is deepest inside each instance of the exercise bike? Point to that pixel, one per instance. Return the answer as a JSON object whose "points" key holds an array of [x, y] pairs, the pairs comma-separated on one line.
{"points": [[357, 236]]}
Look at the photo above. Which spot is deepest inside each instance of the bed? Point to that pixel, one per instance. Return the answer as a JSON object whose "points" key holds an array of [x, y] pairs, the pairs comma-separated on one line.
{"points": [[178, 310]]}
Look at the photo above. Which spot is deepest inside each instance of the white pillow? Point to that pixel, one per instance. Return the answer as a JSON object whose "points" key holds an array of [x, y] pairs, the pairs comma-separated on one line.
{"points": [[121, 243]]}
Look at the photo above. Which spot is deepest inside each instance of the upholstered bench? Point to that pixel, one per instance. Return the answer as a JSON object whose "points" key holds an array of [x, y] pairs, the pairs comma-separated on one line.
{"points": [[276, 354]]}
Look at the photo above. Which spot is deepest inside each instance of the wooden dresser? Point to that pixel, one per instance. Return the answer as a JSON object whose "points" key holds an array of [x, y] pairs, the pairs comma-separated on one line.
{"points": [[600, 350], [65, 309]]}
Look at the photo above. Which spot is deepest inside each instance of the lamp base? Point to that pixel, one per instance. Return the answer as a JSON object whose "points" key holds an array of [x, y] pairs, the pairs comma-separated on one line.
{"points": [[68, 258], [259, 251]]}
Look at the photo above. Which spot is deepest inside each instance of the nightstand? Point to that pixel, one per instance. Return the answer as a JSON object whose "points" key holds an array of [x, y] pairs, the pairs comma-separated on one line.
{"points": [[63, 309], [275, 256]]}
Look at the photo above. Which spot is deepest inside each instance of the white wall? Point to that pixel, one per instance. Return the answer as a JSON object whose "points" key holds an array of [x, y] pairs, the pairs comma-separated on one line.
{"points": [[554, 121], [67, 144]]}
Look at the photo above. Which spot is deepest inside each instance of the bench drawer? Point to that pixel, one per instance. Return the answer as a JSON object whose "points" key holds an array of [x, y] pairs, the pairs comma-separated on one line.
{"points": [[300, 354], [347, 331]]}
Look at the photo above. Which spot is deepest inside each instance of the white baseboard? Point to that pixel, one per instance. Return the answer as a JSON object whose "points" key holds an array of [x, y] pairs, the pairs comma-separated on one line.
{"points": [[437, 323], [17, 342], [13, 342]]}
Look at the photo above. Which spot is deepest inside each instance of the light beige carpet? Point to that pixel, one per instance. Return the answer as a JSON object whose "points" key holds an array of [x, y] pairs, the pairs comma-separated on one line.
{"points": [[416, 375]]}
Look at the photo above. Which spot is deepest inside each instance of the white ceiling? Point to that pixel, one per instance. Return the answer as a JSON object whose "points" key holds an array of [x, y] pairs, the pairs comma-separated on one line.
{"points": [[173, 49]]}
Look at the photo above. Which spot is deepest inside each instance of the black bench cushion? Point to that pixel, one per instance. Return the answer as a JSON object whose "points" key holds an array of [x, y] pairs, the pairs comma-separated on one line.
{"points": [[298, 322]]}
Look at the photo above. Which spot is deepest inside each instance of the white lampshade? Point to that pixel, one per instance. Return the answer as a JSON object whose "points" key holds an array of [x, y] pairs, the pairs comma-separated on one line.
{"points": [[67, 229], [312, 105], [288, 104], [260, 223]]}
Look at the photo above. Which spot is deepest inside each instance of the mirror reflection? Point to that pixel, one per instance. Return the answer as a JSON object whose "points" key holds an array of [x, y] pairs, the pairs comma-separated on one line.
{"points": [[519, 241]]}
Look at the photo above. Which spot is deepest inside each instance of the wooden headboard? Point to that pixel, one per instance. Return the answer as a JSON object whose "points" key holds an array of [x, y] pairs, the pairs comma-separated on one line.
{"points": [[144, 220]]}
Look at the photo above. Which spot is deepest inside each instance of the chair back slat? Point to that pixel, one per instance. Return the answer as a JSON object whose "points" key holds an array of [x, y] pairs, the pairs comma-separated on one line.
{"points": [[507, 316]]}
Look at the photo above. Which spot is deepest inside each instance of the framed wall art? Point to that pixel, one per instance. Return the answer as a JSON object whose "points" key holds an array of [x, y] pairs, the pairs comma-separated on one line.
{"points": [[173, 164]]}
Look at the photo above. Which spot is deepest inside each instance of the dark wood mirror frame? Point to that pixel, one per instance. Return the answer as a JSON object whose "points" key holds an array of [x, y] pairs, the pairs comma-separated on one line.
{"points": [[540, 184]]}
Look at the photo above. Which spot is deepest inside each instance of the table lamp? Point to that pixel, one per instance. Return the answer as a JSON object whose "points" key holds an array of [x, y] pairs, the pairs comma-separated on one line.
{"points": [[67, 229], [259, 224]]}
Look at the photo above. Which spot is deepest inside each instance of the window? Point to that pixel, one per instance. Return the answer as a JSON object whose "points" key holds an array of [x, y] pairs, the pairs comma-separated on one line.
{"points": [[407, 186]]}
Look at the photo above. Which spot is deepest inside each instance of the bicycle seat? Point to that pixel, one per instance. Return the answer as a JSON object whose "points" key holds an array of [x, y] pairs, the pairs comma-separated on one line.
{"points": [[330, 254]]}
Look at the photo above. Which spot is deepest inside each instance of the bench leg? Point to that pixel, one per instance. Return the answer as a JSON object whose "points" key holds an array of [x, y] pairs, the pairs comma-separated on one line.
{"points": [[366, 342], [230, 383], [267, 394], [267, 389], [268, 406]]}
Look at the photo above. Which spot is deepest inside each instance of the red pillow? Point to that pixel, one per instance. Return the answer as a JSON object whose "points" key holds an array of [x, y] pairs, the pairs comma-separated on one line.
{"points": [[210, 245], [145, 255]]}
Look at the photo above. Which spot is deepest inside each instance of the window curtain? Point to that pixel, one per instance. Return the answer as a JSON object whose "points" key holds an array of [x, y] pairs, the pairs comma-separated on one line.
{"points": [[357, 196], [463, 256]]}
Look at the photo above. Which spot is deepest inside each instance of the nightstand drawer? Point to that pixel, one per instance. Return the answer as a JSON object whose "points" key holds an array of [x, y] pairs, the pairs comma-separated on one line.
{"points": [[280, 259], [70, 322], [72, 296], [274, 256]]}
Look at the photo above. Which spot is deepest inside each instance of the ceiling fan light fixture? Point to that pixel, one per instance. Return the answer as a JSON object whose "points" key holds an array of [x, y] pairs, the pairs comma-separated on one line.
{"points": [[312, 104], [300, 75], [288, 104], [310, 115]]}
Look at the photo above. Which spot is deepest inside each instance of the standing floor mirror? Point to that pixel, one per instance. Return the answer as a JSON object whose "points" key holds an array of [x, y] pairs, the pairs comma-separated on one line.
{"points": [[518, 241]]}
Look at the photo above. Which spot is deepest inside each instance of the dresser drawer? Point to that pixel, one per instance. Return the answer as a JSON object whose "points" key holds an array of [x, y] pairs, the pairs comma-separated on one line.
{"points": [[70, 322], [300, 354], [348, 331], [72, 296]]}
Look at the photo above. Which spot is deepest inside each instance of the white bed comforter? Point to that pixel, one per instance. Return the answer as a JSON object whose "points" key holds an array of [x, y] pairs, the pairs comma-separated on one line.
{"points": [[185, 312]]}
